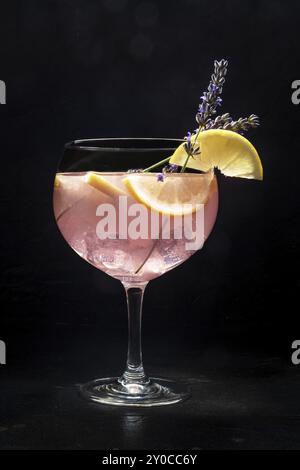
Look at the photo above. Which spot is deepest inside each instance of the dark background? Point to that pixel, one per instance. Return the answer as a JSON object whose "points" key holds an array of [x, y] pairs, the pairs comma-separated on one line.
{"points": [[225, 320]]}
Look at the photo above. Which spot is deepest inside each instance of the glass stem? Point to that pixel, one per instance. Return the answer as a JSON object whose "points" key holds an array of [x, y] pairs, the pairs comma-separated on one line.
{"points": [[134, 373]]}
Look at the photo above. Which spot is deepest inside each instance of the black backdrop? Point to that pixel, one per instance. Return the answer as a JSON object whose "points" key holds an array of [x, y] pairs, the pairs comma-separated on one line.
{"points": [[76, 69]]}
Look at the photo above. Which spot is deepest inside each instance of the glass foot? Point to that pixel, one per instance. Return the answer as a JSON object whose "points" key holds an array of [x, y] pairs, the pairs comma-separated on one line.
{"points": [[156, 392]]}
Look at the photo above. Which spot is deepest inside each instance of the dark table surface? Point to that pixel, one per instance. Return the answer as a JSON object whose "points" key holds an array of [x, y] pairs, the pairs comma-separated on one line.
{"points": [[239, 401]]}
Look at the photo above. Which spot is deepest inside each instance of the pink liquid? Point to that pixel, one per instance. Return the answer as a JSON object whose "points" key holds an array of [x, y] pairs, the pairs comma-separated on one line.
{"points": [[130, 260]]}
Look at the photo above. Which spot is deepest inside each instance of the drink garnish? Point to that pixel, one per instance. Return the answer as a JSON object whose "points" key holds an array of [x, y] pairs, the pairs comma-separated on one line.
{"points": [[226, 150], [102, 184], [217, 142], [176, 197]]}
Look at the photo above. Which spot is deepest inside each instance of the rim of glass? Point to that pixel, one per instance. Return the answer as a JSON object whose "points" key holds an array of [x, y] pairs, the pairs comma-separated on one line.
{"points": [[147, 174], [88, 144]]}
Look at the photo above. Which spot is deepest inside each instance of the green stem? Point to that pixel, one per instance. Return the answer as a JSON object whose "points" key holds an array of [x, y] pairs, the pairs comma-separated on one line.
{"points": [[185, 163], [156, 165], [166, 160]]}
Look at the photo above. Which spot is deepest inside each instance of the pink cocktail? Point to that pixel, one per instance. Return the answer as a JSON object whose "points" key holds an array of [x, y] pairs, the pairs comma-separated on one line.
{"points": [[134, 226], [138, 258]]}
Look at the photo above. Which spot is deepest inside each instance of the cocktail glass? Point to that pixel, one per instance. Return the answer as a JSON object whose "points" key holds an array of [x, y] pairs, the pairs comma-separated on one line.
{"points": [[96, 211]]}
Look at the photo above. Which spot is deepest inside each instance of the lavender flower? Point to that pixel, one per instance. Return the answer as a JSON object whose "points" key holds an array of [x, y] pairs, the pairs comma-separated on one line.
{"points": [[211, 99], [188, 146], [171, 168], [226, 122], [219, 122], [243, 124]]}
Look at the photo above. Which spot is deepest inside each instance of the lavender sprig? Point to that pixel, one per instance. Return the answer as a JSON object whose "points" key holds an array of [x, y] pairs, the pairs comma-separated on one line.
{"points": [[211, 98], [171, 168], [225, 121], [205, 117], [189, 145], [243, 124], [219, 122], [190, 148]]}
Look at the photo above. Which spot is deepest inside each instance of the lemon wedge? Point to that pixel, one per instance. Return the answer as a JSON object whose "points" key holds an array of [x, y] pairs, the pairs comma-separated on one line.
{"points": [[102, 184], [56, 181], [226, 150], [177, 194]]}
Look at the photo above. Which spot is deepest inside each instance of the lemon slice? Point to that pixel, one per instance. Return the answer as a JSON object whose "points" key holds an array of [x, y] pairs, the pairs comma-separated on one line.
{"points": [[102, 184], [177, 195], [56, 181], [226, 150]]}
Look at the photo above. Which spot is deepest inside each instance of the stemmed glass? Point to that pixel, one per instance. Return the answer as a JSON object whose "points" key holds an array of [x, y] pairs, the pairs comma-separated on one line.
{"points": [[110, 218]]}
